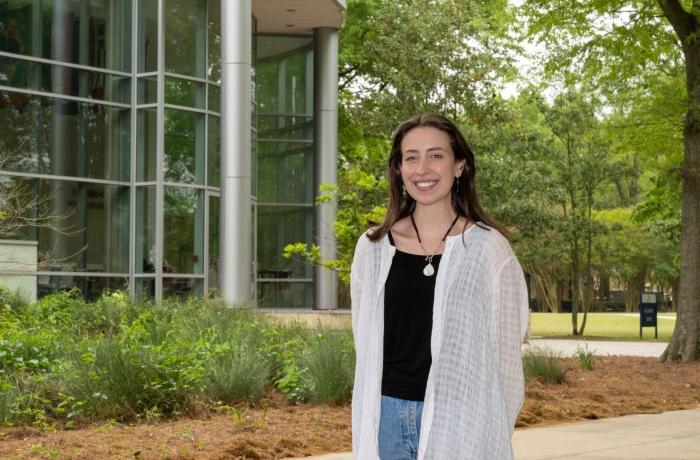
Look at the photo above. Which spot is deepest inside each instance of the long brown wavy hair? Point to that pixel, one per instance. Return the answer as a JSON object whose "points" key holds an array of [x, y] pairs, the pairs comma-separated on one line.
{"points": [[465, 200]]}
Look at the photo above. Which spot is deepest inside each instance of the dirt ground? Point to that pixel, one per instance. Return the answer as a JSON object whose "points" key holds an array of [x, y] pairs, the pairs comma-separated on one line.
{"points": [[278, 429]]}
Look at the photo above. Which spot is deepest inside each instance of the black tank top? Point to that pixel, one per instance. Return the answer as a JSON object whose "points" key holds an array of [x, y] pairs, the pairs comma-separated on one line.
{"points": [[408, 321]]}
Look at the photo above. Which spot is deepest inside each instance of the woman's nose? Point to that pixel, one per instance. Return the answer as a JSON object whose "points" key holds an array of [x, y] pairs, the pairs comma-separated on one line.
{"points": [[422, 164]]}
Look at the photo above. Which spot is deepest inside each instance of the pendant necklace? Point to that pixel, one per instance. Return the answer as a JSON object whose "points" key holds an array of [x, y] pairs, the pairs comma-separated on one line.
{"points": [[429, 270]]}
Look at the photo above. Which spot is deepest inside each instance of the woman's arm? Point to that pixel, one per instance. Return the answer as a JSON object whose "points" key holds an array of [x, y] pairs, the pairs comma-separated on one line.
{"points": [[511, 315], [356, 281]]}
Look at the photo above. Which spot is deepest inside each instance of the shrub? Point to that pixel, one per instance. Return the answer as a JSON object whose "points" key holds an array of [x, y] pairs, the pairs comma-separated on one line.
{"points": [[11, 302], [7, 401], [329, 367], [584, 356], [543, 364], [128, 382], [237, 371]]}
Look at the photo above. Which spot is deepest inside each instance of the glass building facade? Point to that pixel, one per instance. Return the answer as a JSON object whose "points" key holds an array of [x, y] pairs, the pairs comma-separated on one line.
{"points": [[110, 137]]}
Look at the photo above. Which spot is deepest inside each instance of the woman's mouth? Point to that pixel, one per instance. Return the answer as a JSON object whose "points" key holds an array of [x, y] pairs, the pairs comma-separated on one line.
{"points": [[425, 185]]}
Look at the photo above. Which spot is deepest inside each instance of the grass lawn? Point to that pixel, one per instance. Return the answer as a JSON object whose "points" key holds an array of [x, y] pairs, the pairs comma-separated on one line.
{"points": [[599, 326]]}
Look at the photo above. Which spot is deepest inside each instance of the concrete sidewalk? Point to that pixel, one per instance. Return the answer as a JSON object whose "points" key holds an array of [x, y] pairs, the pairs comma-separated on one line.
{"points": [[669, 435], [600, 347]]}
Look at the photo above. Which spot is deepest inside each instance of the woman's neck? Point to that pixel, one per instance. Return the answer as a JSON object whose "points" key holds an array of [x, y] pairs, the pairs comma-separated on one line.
{"points": [[434, 220]]}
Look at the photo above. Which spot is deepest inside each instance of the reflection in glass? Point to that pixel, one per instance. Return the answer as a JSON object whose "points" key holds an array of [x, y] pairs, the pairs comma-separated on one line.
{"points": [[182, 288], [92, 287], [285, 172], [66, 81], [214, 98], [213, 272], [183, 237], [184, 146], [185, 37], [95, 33], [284, 74], [145, 288], [277, 227], [286, 127], [53, 136], [214, 41], [148, 35], [148, 90], [184, 92], [214, 151], [145, 229], [146, 136], [83, 227], [284, 294]]}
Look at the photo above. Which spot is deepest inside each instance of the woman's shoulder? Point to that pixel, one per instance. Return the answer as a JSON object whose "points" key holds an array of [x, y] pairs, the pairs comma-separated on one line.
{"points": [[493, 241]]}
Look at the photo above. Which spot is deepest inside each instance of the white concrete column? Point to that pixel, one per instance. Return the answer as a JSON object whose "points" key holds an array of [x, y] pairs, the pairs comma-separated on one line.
{"points": [[235, 217], [325, 154]]}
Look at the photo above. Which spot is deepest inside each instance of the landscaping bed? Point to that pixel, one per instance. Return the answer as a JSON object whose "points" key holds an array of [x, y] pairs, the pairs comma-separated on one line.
{"points": [[276, 427]]}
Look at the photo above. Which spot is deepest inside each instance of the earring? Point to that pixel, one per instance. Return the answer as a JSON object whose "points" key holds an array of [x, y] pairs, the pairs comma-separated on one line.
{"points": [[403, 191]]}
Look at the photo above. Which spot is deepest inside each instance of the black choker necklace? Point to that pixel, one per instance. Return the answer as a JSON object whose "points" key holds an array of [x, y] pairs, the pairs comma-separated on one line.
{"points": [[429, 270]]}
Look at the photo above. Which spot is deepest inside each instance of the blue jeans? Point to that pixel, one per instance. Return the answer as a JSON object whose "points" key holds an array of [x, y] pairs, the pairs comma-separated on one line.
{"points": [[399, 428]]}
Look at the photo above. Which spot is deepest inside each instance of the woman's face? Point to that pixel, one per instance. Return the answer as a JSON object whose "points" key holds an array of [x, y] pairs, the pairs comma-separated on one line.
{"points": [[428, 167]]}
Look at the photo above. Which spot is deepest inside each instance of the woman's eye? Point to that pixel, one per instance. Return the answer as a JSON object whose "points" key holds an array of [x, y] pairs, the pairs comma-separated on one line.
{"points": [[437, 156], [409, 158]]}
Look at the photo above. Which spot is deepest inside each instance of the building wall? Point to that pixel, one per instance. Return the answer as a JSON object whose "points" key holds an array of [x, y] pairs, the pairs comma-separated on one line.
{"points": [[110, 127]]}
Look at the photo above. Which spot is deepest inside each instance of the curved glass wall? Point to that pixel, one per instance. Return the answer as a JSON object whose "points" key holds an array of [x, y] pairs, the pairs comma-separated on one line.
{"points": [[95, 33], [115, 158], [285, 169]]}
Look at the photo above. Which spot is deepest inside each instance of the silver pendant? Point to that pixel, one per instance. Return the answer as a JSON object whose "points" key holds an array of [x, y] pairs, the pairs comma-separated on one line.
{"points": [[428, 270]]}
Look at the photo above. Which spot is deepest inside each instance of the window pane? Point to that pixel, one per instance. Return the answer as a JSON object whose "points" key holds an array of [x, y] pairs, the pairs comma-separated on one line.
{"points": [[148, 35], [52, 136], [92, 287], [214, 151], [214, 37], [286, 127], [285, 172], [145, 288], [184, 146], [79, 226], [146, 136], [183, 237], [277, 227], [145, 229], [285, 295], [184, 92], [182, 288], [148, 90], [185, 37], [285, 74], [95, 33], [214, 98], [213, 273], [19, 73]]}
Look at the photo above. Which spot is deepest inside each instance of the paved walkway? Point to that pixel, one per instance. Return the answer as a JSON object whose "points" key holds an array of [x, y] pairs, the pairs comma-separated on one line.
{"points": [[601, 348], [669, 435]]}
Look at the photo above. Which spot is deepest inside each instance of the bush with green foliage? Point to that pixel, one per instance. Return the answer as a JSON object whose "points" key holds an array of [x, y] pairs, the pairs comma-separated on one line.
{"points": [[543, 364], [66, 361]]}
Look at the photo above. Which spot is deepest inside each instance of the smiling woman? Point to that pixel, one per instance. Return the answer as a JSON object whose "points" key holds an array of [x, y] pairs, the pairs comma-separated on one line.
{"points": [[439, 311]]}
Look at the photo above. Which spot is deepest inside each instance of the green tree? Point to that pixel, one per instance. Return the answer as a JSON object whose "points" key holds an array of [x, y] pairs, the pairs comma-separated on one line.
{"points": [[612, 45]]}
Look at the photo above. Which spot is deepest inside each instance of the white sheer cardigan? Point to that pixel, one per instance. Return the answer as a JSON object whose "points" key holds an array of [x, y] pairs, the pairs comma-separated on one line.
{"points": [[480, 314]]}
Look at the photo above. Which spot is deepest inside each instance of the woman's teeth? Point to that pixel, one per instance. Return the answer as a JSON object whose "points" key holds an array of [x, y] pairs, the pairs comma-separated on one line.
{"points": [[426, 185]]}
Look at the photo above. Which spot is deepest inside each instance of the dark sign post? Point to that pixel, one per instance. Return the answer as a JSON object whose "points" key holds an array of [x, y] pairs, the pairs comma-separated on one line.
{"points": [[648, 309]]}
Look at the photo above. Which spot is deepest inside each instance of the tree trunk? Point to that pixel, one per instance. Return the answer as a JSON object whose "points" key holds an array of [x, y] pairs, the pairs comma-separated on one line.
{"points": [[685, 342], [675, 292]]}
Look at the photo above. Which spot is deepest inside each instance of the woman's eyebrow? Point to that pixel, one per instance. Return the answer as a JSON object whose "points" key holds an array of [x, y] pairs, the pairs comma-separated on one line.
{"points": [[429, 150]]}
